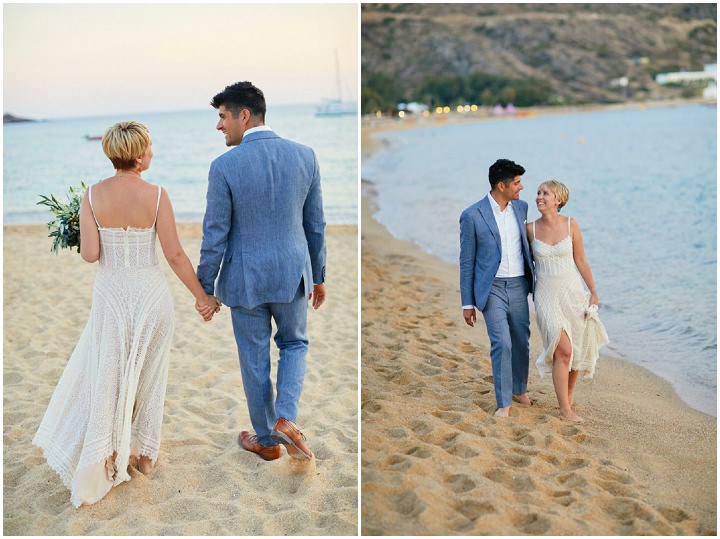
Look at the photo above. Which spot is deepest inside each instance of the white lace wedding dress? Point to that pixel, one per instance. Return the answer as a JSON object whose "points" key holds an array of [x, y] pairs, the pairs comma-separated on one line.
{"points": [[110, 397], [562, 303]]}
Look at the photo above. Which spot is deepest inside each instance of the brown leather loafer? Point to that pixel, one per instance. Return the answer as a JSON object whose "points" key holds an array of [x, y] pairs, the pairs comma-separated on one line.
{"points": [[249, 442], [286, 433]]}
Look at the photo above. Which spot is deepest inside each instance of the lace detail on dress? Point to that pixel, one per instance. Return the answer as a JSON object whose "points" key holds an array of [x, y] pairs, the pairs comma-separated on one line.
{"points": [[562, 304], [111, 395]]}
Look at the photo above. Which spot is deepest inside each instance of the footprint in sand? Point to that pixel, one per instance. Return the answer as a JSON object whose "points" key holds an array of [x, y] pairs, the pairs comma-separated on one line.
{"points": [[419, 452], [420, 428], [616, 483], [428, 370], [615, 475], [397, 433], [627, 512], [371, 407], [563, 497], [398, 463], [522, 436], [408, 504], [512, 481], [463, 451], [525, 451], [532, 524], [451, 418], [674, 514], [460, 483], [574, 464], [516, 461], [571, 480], [473, 510]]}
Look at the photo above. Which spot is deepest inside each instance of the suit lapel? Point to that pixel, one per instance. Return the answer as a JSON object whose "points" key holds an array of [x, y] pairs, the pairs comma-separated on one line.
{"points": [[520, 219], [487, 214]]}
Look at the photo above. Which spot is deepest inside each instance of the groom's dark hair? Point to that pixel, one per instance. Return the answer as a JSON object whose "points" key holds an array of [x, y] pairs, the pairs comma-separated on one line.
{"points": [[241, 95], [504, 170]]}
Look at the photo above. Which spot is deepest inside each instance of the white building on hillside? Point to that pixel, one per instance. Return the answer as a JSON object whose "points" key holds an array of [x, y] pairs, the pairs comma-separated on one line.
{"points": [[681, 77]]}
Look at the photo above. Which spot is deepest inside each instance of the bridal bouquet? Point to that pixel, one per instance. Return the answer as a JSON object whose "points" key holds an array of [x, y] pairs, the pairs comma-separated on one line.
{"points": [[65, 227]]}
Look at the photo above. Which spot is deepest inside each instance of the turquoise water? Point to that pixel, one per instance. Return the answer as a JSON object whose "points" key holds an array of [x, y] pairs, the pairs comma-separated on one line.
{"points": [[643, 187], [47, 157]]}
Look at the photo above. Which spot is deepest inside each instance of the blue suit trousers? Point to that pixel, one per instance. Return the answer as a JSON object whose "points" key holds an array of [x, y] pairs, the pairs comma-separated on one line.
{"points": [[253, 329], [507, 319]]}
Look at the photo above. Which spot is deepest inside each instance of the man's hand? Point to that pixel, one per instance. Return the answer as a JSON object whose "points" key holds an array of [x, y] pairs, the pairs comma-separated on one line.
{"points": [[470, 316], [208, 308], [317, 296]]}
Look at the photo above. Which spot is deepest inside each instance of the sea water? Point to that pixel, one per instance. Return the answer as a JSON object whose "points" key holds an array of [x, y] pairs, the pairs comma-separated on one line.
{"points": [[47, 157], [643, 188]]}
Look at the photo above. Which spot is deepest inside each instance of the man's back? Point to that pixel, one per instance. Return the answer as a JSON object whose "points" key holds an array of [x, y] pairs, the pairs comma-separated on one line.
{"points": [[265, 216]]}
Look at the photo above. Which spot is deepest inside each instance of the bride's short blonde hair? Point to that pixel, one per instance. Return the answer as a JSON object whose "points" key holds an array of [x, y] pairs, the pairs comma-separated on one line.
{"points": [[124, 142], [559, 189]]}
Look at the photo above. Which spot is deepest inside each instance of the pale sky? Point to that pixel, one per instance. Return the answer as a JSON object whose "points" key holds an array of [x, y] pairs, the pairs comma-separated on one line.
{"points": [[66, 60]]}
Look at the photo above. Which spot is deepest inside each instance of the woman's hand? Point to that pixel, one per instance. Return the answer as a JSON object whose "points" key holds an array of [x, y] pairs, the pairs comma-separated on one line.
{"points": [[207, 307], [594, 299]]}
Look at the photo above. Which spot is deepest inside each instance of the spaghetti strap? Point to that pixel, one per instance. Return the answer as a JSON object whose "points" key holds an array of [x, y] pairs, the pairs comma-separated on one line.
{"points": [[157, 206], [533, 238], [91, 206], [568, 225]]}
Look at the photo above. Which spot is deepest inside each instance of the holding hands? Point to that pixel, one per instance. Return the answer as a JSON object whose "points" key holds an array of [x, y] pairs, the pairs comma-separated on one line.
{"points": [[207, 307]]}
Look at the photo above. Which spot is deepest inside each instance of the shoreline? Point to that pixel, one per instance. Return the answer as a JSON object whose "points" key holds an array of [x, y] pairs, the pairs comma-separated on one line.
{"points": [[703, 401], [436, 461]]}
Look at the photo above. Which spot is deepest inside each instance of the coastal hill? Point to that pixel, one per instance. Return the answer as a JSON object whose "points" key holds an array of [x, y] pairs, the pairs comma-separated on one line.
{"points": [[10, 119], [572, 52]]}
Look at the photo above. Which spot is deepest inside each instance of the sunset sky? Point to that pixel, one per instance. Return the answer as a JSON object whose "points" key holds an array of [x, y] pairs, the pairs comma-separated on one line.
{"points": [[67, 60]]}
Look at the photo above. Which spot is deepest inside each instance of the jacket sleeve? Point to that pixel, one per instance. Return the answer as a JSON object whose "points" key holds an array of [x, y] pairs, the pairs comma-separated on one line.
{"points": [[216, 226], [467, 259], [314, 225]]}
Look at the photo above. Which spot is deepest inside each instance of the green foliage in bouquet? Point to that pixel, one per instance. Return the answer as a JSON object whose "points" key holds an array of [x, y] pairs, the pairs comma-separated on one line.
{"points": [[65, 228]]}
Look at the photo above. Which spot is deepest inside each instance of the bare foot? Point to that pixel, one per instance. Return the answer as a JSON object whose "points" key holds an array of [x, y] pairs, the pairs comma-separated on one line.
{"points": [[523, 399], [571, 416], [145, 465], [502, 412]]}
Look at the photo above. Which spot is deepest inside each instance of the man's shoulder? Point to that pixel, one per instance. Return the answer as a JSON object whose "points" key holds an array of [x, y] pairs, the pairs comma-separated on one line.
{"points": [[473, 207], [297, 146]]}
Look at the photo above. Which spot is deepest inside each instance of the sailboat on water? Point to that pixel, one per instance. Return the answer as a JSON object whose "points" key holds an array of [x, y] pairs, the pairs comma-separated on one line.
{"points": [[336, 107]]}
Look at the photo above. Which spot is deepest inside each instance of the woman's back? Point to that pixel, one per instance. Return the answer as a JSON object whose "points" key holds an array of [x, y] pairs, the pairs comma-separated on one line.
{"points": [[127, 232], [125, 202]]}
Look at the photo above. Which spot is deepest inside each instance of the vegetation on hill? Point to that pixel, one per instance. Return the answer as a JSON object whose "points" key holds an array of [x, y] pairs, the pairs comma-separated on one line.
{"points": [[530, 54]]}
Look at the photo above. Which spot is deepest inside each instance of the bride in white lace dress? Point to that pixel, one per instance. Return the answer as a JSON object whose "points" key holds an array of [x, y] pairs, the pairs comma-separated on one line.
{"points": [[108, 404], [566, 313]]}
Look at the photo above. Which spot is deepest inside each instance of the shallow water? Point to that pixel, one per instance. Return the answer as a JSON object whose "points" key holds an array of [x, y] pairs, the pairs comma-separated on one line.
{"points": [[48, 157]]}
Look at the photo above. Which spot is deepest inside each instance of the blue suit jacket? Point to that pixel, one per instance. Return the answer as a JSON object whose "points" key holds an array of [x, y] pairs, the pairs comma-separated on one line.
{"points": [[481, 250], [264, 222]]}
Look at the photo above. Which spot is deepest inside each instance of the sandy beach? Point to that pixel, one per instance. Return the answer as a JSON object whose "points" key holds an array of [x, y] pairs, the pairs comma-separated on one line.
{"points": [[435, 461], [204, 483]]}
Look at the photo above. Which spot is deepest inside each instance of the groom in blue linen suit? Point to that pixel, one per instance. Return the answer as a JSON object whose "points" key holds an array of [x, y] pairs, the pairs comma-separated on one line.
{"points": [[264, 222], [496, 276]]}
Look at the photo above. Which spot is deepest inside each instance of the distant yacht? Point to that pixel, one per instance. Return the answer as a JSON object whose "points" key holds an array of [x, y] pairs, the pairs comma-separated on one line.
{"points": [[336, 106]]}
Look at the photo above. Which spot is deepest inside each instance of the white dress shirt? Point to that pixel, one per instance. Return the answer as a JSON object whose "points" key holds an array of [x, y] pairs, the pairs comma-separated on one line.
{"points": [[511, 261], [257, 128]]}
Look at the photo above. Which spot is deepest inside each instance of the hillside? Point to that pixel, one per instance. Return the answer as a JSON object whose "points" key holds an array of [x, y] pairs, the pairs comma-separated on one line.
{"points": [[573, 51]]}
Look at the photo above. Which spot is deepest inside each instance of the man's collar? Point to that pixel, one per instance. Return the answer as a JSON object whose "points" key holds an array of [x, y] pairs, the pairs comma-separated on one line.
{"points": [[493, 203], [257, 129]]}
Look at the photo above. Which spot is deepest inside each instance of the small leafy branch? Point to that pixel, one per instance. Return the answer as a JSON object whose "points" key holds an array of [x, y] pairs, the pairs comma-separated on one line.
{"points": [[65, 227]]}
